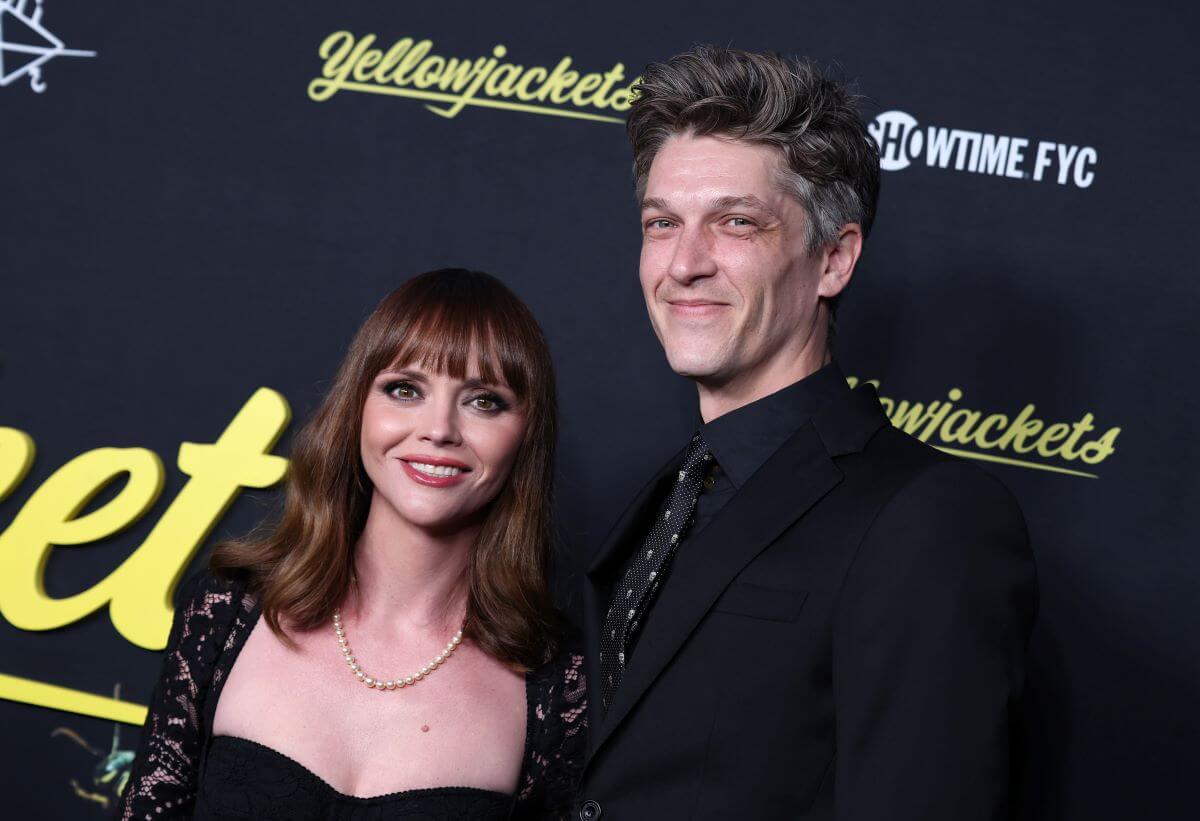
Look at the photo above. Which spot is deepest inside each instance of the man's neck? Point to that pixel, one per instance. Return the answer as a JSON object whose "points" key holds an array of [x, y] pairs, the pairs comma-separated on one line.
{"points": [[719, 399]]}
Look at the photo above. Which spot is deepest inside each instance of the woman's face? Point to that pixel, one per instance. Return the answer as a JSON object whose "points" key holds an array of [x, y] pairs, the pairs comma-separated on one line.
{"points": [[438, 449]]}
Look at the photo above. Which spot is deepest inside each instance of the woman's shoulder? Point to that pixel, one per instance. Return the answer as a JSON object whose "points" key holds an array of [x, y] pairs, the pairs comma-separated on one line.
{"points": [[557, 733], [565, 666], [559, 687], [205, 601]]}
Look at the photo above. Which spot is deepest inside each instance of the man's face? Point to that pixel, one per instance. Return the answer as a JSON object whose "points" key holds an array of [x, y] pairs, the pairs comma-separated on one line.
{"points": [[728, 281]]}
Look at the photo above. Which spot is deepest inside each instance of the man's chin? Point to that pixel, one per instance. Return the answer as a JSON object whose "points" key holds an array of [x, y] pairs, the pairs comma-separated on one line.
{"points": [[697, 366]]}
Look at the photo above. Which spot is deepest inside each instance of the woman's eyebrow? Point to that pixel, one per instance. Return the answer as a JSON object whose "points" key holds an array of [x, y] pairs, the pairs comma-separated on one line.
{"points": [[483, 383], [406, 373]]}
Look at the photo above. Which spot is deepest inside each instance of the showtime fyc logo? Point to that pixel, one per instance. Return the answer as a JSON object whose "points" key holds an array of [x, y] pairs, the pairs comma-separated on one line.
{"points": [[903, 142]]}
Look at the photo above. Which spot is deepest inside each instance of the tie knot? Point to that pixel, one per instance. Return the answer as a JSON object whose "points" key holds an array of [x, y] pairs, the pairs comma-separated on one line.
{"points": [[697, 454]]}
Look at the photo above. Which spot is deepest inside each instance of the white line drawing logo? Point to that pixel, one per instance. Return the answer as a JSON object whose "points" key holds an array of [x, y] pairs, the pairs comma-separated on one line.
{"points": [[26, 45]]}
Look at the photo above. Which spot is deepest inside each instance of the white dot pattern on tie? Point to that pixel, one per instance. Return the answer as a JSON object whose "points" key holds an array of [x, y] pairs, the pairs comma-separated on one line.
{"points": [[641, 581]]}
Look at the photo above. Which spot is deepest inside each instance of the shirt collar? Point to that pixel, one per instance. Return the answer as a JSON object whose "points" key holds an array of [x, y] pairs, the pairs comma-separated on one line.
{"points": [[743, 439]]}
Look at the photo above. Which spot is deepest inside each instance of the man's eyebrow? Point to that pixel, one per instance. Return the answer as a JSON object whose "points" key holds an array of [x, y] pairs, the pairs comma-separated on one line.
{"points": [[720, 203], [746, 200]]}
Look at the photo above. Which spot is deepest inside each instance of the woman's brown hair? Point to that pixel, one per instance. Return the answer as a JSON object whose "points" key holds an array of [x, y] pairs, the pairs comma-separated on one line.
{"points": [[302, 565]]}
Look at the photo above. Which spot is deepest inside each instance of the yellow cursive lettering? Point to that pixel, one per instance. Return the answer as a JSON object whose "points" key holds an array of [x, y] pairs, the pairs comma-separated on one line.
{"points": [[139, 591]]}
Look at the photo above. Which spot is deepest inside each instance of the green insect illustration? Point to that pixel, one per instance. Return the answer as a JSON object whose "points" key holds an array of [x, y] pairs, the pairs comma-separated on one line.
{"points": [[111, 773]]}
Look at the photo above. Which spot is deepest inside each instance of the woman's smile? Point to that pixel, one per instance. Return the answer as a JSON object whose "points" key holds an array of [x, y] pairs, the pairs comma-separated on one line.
{"points": [[434, 471]]}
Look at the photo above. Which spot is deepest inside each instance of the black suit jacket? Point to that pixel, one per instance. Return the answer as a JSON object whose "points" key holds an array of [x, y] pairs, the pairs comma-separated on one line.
{"points": [[845, 640]]}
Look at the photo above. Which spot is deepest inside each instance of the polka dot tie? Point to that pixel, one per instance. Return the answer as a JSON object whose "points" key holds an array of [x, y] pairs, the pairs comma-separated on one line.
{"points": [[632, 597]]}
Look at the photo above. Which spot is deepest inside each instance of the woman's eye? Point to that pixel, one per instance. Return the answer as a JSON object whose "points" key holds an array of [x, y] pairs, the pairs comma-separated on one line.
{"points": [[488, 403], [402, 390]]}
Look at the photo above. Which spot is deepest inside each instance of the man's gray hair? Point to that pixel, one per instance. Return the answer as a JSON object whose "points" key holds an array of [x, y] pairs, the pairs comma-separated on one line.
{"points": [[831, 162]]}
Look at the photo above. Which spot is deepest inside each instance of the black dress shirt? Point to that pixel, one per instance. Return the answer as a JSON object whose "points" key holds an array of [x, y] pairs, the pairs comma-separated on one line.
{"points": [[743, 439]]}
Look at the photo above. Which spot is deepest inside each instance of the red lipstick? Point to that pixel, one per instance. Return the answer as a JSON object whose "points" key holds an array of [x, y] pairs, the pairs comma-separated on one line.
{"points": [[422, 478]]}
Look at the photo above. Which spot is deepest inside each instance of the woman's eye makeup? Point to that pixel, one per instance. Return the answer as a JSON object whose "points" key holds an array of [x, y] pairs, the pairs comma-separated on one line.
{"points": [[488, 403], [401, 389]]}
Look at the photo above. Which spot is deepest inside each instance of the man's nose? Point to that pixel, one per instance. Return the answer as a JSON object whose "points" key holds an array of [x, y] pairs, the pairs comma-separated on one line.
{"points": [[692, 258], [440, 422]]}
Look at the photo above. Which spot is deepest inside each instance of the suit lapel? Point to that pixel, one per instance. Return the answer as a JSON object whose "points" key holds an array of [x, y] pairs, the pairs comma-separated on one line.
{"points": [[795, 478], [630, 528], [634, 516]]}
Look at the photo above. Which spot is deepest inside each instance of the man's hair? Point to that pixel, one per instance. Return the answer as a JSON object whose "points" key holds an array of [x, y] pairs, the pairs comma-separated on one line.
{"points": [[831, 162]]}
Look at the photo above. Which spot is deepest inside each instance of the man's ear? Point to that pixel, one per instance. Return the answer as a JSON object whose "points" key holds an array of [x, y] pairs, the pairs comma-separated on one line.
{"points": [[840, 259]]}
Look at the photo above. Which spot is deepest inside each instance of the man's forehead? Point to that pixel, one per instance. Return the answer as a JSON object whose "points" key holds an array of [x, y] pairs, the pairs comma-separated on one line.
{"points": [[712, 171]]}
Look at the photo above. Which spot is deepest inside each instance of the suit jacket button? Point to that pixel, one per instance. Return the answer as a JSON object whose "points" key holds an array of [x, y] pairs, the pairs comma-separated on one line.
{"points": [[590, 811]]}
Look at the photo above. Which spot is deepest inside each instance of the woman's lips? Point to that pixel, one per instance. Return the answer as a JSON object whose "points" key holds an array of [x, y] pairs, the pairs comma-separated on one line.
{"points": [[435, 472]]}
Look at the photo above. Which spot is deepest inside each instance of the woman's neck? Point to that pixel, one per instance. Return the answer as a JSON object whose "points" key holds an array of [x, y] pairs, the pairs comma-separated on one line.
{"points": [[408, 577]]}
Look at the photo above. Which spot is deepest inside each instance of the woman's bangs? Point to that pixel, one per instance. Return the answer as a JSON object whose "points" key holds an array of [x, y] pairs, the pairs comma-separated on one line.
{"points": [[452, 341]]}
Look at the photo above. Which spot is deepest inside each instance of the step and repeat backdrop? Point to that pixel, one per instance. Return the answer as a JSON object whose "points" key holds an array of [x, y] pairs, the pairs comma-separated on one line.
{"points": [[201, 202]]}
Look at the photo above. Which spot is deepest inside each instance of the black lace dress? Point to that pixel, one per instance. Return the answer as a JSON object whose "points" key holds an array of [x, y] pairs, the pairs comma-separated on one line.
{"points": [[183, 771]]}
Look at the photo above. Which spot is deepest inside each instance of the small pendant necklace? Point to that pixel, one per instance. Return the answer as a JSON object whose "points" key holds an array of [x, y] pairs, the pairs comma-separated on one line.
{"points": [[390, 684]]}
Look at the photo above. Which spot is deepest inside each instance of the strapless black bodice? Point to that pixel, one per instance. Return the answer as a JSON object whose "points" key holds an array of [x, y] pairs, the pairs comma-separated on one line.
{"points": [[245, 780], [182, 771]]}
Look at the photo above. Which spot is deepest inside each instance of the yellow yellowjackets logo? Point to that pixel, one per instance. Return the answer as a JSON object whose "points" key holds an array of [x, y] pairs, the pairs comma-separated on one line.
{"points": [[1021, 439], [411, 68]]}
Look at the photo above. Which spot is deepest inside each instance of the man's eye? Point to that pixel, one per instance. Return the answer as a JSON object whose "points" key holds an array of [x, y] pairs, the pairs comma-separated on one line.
{"points": [[739, 222], [402, 390], [659, 223]]}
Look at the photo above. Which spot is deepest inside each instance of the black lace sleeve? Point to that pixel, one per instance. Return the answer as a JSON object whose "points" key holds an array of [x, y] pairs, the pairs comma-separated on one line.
{"points": [[162, 781], [558, 739]]}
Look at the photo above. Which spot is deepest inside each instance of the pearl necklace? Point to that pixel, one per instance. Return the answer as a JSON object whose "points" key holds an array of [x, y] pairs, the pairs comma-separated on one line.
{"points": [[390, 684]]}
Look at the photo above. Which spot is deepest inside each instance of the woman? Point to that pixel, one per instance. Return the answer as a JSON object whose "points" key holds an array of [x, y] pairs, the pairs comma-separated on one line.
{"points": [[406, 662]]}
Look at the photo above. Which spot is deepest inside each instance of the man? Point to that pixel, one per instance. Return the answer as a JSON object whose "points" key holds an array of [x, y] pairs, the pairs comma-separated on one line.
{"points": [[806, 613]]}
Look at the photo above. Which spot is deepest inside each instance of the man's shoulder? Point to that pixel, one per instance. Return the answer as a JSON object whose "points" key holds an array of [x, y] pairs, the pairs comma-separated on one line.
{"points": [[912, 473]]}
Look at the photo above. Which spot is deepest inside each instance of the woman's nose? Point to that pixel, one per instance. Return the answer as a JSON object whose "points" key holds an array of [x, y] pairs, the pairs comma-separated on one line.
{"points": [[440, 423]]}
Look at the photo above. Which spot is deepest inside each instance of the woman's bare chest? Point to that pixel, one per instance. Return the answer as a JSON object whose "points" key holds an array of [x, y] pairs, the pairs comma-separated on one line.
{"points": [[463, 725]]}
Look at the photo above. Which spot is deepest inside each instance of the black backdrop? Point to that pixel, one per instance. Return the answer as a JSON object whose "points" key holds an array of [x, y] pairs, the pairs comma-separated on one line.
{"points": [[183, 224]]}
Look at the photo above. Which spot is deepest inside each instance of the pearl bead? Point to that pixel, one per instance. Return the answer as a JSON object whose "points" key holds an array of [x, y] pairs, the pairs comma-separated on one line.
{"points": [[390, 684]]}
